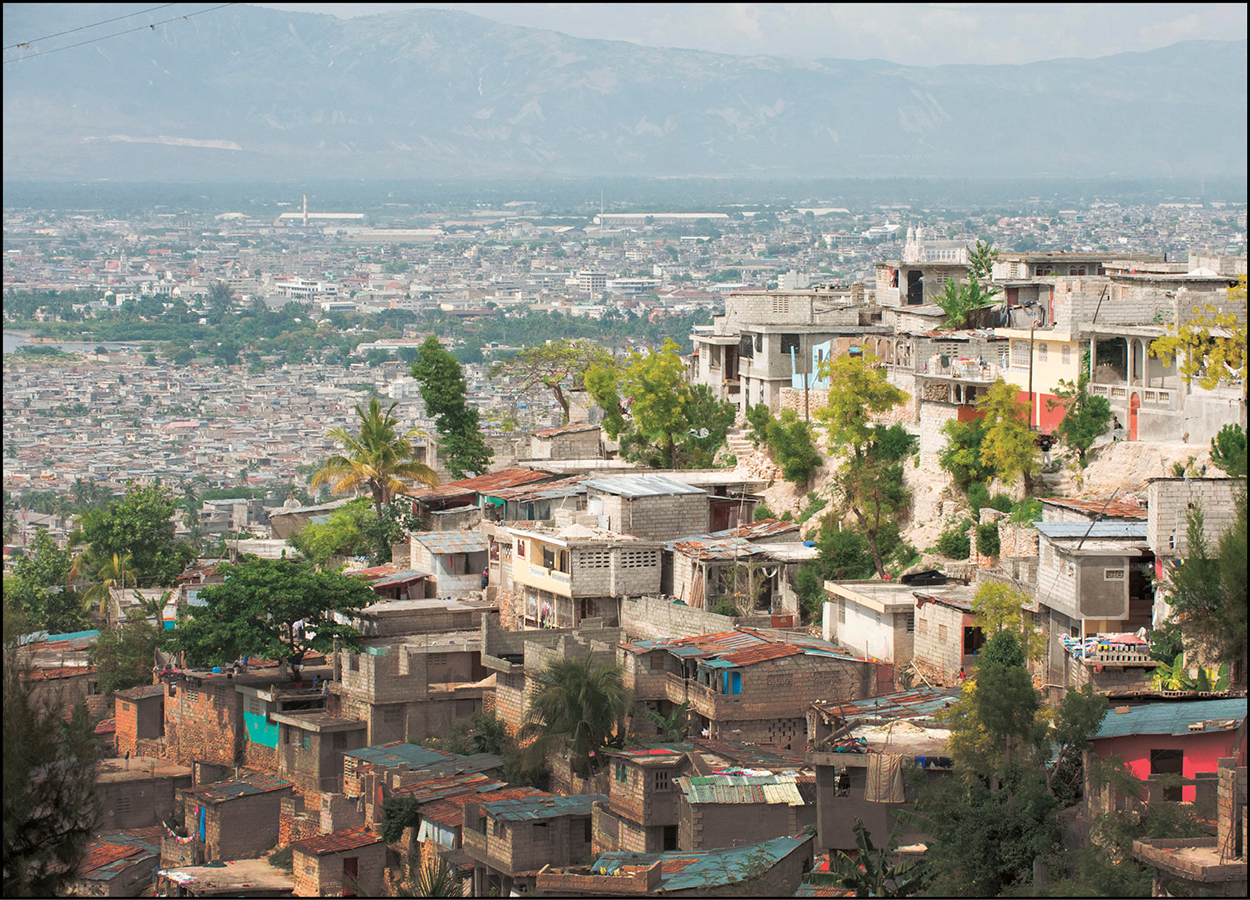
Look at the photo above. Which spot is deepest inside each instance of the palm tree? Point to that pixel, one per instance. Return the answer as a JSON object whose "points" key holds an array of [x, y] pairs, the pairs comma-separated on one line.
{"points": [[113, 572], [671, 728], [577, 706], [435, 879], [376, 458]]}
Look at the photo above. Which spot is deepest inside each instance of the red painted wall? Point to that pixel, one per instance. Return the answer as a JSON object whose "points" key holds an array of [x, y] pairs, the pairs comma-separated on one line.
{"points": [[1202, 751], [1046, 418]]}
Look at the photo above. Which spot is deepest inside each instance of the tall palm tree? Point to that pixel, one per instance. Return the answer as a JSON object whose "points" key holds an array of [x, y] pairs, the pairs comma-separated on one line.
{"points": [[577, 706], [375, 459], [105, 577]]}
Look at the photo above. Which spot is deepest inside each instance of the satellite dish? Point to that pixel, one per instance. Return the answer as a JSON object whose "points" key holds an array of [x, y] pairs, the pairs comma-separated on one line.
{"points": [[701, 433]]}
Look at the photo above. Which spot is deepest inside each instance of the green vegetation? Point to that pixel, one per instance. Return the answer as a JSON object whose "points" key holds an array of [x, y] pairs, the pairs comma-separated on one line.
{"points": [[1228, 451], [1211, 345], [254, 614], [123, 656], [666, 422], [1008, 447], [953, 543], [36, 589], [444, 391], [578, 707], [557, 366], [51, 809], [138, 530], [377, 458], [1207, 590], [1086, 416]]}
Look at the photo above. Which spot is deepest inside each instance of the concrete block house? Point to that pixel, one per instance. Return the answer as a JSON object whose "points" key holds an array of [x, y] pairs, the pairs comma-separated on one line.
{"points": [[748, 684], [235, 819], [346, 863]]}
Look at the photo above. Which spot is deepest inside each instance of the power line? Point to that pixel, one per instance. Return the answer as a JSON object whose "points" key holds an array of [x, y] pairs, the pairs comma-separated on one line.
{"points": [[85, 27], [117, 33]]}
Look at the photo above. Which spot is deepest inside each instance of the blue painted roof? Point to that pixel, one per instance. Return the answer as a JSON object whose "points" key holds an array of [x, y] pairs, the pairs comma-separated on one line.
{"points": [[391, 755], [1174, 718], [702, 869]]}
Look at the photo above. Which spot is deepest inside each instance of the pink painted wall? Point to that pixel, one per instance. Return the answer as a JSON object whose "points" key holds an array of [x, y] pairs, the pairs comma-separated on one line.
{"points": [[1202, 751]]}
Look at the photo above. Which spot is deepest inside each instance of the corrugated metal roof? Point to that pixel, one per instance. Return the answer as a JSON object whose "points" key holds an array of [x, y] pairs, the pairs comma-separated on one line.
{"points": [[633, 486], [391, 755], [920, 703], [1174, 718], [482, 484], [1129, 529], [754, 655], [548, 806], [703, 869], [707, 546], [337, 841], [1125, 508], [742, 789], [755, 530], [453, 541], [565, 487], [404, 577], [237, 787], [754, 756]]}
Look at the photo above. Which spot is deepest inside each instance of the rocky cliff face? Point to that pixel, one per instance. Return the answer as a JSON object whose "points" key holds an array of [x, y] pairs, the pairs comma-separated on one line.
{"points": [[247, 92]]}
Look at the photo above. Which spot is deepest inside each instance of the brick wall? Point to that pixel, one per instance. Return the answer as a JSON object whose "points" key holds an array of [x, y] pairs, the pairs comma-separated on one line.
{"points": [[295, 822], [241, 828], [204, 723], [707, 826]]}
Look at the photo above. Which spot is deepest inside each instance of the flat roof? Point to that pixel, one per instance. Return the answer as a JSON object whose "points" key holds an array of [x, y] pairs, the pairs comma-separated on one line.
{"points": [[1129, 530], [235, 876], [116, 769]]}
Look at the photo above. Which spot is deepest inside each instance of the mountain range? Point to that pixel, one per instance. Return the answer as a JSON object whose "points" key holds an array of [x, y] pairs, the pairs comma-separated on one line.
{"points": [[248, 93]]}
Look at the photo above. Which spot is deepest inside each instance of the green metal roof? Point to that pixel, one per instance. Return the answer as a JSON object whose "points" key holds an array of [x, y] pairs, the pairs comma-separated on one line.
{"points": [[702, 869], [1174, 718]]}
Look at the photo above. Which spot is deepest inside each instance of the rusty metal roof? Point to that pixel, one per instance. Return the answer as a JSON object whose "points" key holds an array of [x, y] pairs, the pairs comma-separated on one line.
{"points": [[550, 490], [708, 547], [541, 806], [775, 788], [761, 654], [482, 484], [564, 429], [237, 787], [440, 542], [634, 486], [337, 841], [1124, 508], [918, 703], [755, 530]]}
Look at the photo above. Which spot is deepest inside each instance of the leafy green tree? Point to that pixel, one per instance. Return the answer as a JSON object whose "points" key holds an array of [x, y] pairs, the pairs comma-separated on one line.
{"points": [[1000, 607], [1008, 447], [376, 458], [793, 445], [254, 613], [960, 301], [576, 706], [123, 657], [444, 390], [556, 365], [655, 385], [710, 420], [1085, 418], [1211, 344], [870, 481], [138, 525], [871, 873], [36, 588], [1207, 590], [1228, 451], [51, 808]]}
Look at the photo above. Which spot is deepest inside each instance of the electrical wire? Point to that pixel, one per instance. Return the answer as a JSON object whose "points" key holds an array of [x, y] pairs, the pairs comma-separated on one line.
{"points": [[85, 27], [116, 34]]}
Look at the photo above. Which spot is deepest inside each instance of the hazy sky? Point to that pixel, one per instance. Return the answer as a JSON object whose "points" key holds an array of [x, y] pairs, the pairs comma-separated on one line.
{"points": [[924, 34]]}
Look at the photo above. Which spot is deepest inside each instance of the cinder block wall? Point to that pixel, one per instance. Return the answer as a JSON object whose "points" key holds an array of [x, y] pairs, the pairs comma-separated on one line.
{"points": [[1168, 501]]}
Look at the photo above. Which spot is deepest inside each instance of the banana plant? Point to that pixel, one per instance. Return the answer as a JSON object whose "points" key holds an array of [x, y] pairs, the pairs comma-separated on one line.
{"points": [[1173, 677]]}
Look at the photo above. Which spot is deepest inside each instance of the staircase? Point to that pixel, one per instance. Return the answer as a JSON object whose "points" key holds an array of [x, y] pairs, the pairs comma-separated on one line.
{"points": [[738, 443]]}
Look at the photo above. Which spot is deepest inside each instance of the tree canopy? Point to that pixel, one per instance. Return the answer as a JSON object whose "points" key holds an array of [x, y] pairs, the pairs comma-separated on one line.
{"points": [[1085, 417], [138, 525], [1008, 446], [577, 705], [444, 391], [36, 588], [51, 809], [1210, 344], [272, 609], [377, 458], [556, 365]]}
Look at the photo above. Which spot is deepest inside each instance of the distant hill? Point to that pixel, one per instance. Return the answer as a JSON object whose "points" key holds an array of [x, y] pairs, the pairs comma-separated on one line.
{"points": [[252, 93]]}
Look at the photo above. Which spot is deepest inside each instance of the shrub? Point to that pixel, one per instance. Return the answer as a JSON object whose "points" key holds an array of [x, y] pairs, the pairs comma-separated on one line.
{"points": [[987, 539], [725, 608], [953, 543], [758, 417], [763, 512], [794, 448]]}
